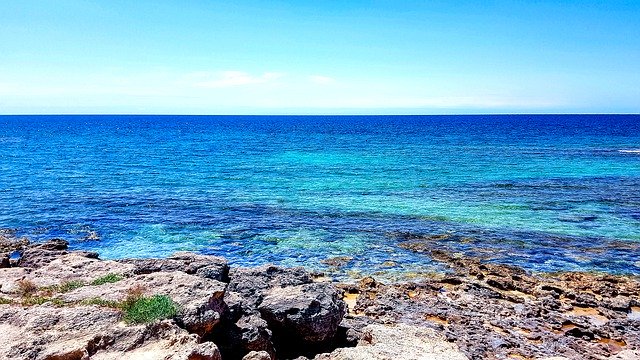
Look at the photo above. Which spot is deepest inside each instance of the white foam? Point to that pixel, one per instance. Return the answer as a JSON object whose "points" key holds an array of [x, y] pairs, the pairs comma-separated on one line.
{"points": [[631, 151]]}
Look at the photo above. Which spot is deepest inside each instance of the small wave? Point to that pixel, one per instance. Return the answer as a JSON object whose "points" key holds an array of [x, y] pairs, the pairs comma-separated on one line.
{"points": [[630, 151]]}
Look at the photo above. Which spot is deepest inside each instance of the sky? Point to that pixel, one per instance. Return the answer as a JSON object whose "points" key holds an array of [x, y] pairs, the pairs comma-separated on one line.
{"points": [[319, 57]]}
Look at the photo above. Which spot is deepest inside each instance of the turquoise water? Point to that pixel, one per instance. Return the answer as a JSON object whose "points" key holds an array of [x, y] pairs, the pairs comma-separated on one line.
{"points": [[544, 192]]}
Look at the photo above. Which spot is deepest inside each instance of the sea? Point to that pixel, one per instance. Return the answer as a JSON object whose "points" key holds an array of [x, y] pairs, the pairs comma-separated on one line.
{"points": [[337, 194]]}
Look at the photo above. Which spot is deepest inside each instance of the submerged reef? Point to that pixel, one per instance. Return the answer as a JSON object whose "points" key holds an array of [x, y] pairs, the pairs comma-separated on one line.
{"points": [[62, 304]]}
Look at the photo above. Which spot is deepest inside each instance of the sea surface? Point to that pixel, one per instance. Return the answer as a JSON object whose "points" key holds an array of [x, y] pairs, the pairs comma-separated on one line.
{"points": [[549, 193]]}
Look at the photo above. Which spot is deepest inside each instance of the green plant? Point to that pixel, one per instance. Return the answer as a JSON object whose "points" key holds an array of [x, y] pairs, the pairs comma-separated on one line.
{"points": [[35, 300], [57, 302], [148, 309], [70, 285], [101, 302], [107, 279], [4, 301]]}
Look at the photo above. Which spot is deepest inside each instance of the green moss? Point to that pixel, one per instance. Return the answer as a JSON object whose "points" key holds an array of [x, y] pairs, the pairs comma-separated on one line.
{"points": [[148, 309], [107, 279]]}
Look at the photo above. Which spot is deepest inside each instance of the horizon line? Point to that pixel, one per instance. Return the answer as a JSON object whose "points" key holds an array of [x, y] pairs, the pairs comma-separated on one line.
{"points": [[310, 115]]}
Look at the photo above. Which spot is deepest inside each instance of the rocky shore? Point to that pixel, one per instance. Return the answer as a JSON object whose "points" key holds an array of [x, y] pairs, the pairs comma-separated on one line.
{"points": [[57, 304]]}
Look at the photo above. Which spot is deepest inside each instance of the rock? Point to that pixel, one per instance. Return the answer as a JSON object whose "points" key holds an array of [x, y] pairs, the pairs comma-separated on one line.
{"points": [[310, 312], [626, 355], [252, 283], [277, 310], [351, 328], [257, 355], [484, 310], [87, 254], [4, 260], [80, 332], [202, 351], [252, 333], [9, 243], [52, 245], [247, 286], [76, 266], [337, 261], [200, 300], [161, 340], [41, 331], [39, 255], [239, 336], [210, 267], [619, 303], [9, 280], [495, 311], [398, 342]]}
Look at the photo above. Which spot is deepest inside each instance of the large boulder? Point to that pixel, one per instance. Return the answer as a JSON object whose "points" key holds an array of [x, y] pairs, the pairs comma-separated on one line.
{"points": [[248, 286], [247, 334], [280, 311], [254, 333], [309, 312]]}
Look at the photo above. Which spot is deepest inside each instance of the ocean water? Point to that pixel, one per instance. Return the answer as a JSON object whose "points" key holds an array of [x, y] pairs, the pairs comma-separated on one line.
{"points": [[548, 193]]}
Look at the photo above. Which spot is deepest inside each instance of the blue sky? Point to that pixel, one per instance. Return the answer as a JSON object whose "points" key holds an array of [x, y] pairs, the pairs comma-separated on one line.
{"points": [[319, 57]]}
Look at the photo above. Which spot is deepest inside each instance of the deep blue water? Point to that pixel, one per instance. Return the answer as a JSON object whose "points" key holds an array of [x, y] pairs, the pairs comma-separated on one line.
{"points": [[548, 193]]}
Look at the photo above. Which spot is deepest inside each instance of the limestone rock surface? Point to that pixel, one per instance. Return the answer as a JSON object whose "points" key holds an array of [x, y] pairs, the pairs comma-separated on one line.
{"points": [[382, 342], [210, 267]]}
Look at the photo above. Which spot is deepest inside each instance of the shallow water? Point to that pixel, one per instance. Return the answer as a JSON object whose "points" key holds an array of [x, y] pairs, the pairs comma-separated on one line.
{"points": [[544, 192]]}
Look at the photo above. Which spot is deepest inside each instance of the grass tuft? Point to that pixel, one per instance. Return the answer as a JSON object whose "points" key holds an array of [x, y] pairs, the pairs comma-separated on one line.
{"points": [[70, 285], [107, 279], [35, 300], [148, 309], [26, 287], [4, 301], [58, 302], [102, 302]]}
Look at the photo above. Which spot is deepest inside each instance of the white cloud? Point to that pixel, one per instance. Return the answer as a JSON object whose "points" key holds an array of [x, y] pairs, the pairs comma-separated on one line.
{"points": [[166, 90], [226, 79], [373, 101], [321, 79]]}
